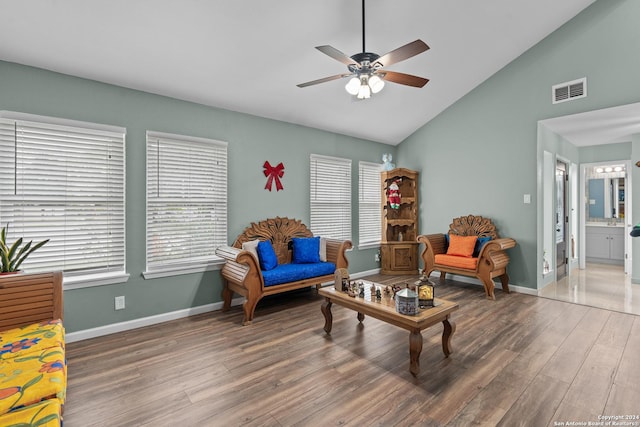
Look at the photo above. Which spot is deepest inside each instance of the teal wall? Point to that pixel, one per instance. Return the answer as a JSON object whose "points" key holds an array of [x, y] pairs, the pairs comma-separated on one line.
{"points": [[480, 155], [252, 140], [604, 153]]}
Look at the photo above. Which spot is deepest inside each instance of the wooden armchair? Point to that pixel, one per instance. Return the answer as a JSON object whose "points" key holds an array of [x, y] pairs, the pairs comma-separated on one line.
{"points": [[491, 261]]}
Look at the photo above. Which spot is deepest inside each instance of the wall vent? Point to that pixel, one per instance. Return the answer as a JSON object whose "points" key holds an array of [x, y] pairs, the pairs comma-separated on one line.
{"points": [[568, 91]]}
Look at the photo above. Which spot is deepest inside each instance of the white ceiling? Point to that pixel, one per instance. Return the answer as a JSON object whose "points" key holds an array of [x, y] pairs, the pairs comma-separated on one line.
{"points": [[606, 126], [248, 55]]}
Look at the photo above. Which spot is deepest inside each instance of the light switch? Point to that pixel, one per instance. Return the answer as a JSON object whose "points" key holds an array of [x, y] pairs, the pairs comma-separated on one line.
{"points": [[527, 198]]}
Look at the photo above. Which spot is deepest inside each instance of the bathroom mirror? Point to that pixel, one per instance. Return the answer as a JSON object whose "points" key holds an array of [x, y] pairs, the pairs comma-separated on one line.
{"points": [[605, 198]]}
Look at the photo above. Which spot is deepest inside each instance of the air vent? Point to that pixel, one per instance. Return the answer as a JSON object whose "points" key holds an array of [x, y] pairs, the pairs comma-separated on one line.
{"points": [[570, 90]]}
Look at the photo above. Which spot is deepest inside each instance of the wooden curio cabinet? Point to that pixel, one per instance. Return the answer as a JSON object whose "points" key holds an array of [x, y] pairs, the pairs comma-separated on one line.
{"points": [[399, 247]]}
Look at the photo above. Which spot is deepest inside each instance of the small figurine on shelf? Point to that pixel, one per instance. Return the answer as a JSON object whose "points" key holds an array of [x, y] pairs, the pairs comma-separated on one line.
{"points": [[393, 194], [386, 159], [378, 295], [372, 289]]}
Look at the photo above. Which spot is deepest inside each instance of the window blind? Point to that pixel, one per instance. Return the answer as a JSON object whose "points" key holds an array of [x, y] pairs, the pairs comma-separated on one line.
{"points": [[330, 194], [186, 200], [369, 204], [66, 184]]}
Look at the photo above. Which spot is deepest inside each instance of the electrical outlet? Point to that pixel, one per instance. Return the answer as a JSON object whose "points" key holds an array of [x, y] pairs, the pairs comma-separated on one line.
{"points": [[119, 303], [377, 257]]}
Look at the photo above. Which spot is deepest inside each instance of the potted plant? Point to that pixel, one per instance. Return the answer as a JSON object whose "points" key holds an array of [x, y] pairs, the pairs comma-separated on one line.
{"points": [[11, 257]]}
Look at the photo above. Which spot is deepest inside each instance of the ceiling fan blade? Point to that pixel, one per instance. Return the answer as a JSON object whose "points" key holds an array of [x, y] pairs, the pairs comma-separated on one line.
{"points": [[402, 53], [337, 55], [404, 79], [326, 79]]}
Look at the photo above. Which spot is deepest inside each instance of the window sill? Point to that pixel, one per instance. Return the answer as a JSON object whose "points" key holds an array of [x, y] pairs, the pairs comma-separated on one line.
{"points": [[179, 270], [79, 282]]}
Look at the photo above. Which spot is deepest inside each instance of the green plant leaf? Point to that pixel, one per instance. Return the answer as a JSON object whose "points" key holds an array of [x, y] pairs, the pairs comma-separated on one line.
{"points": [[3, 235], [5, 261], [14, 247], [12, 257], [37, 246]]}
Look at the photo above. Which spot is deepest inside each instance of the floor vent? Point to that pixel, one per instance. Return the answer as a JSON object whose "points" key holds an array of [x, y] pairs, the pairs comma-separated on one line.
{"points": [[568, 91]]}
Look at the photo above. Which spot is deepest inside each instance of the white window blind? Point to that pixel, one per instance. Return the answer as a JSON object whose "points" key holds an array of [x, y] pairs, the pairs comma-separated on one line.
{"points": [[186, 200], [331, 197], [369, 204], [64, 183]]}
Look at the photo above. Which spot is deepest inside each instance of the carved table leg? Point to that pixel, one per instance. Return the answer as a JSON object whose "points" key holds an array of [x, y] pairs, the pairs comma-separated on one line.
{"points": [[447, 333], [328, 317], [360, 317], [415, 348]]}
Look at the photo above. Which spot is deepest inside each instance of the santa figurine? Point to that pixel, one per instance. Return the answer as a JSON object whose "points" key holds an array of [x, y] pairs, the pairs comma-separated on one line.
{"points": [[393, 194]]}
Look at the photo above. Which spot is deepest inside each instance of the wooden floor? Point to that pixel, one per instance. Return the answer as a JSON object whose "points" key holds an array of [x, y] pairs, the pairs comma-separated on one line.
{"points": [[518, 361]]}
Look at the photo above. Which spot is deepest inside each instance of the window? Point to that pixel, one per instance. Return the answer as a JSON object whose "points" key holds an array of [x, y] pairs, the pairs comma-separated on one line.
{"points": [[64, 180], [186, 203], [370, 227], [331, 197]]}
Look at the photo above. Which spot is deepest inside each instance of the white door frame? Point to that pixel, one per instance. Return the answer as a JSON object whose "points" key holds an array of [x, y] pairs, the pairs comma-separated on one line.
{"points": [[627, 213]]}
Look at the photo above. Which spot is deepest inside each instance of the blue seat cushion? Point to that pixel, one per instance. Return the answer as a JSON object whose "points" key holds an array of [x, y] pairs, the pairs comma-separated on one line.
{"points": [[285, 273]]}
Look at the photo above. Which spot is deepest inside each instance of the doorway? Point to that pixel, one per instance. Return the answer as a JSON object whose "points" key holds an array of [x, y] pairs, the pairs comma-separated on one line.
{"points": [[561, 219], [605, 231]]}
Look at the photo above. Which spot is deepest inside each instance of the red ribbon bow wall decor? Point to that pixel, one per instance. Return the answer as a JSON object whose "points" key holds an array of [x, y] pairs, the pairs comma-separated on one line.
{"points": [[273, 174]]}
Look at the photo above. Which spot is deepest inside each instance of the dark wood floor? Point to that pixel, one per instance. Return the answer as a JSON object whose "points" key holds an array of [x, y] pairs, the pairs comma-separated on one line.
{"points": [[517, 361]]}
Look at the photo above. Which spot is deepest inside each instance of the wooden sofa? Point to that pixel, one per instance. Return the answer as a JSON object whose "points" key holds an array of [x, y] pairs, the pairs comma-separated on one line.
{"points": [[490, 262], [33, 371], [242, 274]]}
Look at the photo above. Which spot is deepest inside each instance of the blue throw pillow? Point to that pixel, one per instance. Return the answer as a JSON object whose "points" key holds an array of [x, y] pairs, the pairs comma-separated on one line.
{"points": [[267, 256], [446, 242], [306, 250], [479, 244]]}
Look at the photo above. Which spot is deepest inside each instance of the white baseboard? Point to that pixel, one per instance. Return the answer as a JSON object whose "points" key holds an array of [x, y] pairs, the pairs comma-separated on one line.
{"points": [[364, 273], [474, 281], [192, 311], [146, 321]]}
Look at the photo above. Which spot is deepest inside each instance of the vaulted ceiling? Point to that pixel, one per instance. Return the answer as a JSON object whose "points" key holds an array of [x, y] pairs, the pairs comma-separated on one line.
{"points": [[248, 55]]}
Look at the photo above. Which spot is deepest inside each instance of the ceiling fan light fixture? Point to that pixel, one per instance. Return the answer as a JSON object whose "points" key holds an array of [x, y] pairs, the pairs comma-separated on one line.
{"points": [[353, 86], [375, 83], [364, 92]]}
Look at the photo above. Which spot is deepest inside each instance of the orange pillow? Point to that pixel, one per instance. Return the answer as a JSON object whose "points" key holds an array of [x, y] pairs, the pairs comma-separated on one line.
{"points": [[461, 245]]}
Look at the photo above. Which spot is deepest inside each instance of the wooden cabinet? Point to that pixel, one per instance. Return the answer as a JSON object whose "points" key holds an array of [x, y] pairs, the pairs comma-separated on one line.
{"points": [[605, 244], [399, 248]]}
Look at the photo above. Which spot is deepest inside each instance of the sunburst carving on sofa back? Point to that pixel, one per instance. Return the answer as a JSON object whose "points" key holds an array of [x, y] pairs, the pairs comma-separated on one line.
{"points": [[279, 231], [472, 225]]}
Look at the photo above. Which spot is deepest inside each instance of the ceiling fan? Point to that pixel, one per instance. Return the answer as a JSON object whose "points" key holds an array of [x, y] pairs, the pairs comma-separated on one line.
{"points": [[366, 68]]}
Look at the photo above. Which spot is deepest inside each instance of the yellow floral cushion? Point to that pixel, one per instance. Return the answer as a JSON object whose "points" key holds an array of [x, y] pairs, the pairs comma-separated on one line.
{"points": [[30, 378], [42, 414], [30, 339]]}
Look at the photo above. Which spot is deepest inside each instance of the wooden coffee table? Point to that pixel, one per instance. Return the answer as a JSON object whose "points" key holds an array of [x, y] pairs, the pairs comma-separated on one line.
{"points": [[385, 310]]}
